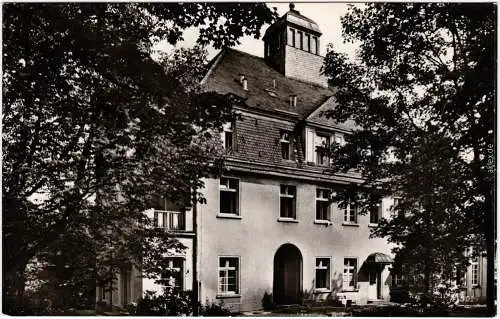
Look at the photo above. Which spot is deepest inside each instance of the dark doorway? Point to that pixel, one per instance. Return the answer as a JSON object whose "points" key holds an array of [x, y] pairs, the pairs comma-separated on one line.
{"points": [[287, 283], [375, 278]]}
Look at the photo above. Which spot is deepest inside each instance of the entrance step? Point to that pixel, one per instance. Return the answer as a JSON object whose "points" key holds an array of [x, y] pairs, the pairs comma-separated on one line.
{"points": [[379, 302]]}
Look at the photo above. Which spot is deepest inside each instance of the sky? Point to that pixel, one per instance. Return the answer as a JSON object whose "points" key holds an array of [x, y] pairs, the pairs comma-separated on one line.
{"points": [[326, 14]]}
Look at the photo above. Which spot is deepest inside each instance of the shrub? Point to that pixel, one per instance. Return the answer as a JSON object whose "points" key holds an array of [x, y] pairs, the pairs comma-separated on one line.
{"points": [[215, 310], [169, 303], [267, 301]]}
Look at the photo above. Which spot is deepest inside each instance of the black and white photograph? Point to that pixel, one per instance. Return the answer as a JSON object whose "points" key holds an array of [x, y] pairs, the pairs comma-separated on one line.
{"points": [[258, 159]]}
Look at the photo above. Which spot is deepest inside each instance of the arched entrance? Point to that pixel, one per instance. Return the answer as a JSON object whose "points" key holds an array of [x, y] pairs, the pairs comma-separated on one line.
{"points": [[287, 280]]}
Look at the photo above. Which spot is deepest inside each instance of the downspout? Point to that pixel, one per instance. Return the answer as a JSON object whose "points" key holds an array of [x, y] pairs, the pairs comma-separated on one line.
{"points": [[195, 261]]}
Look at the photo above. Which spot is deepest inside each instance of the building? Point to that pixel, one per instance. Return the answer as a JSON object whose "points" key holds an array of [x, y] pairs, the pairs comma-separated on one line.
{"points": [[267, 227]]}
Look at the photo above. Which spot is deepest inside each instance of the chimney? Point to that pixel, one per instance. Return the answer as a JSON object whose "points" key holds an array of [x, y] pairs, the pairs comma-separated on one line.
{"points": [[293, 100], [274, 84], [242, 77], [245, 84]]}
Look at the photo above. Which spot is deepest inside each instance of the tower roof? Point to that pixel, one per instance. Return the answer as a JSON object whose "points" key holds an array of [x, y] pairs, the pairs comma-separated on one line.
{"points": [[294, 17]]}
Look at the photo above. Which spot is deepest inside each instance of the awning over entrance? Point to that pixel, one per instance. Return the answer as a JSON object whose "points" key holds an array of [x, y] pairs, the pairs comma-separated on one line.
{"points": [[378, 258]]}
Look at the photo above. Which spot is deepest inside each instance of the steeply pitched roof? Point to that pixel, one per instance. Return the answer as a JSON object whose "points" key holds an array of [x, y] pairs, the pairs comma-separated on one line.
{"points": [[316, 116], [293, 16], [224, 74]]}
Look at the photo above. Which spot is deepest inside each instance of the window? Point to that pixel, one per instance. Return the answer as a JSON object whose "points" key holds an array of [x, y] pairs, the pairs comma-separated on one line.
{"points": [[125, 286], [229, 196], [475, 273], [322, 146], [322, 273], [227, 136], [174, 277], [291, 39], [397, 279], [322, 204], [287, 201], [172, 220], [228, 275], [351, 214], [301, 40], [375, 213], [285, 145], [350, 273], [339, 139], [315, 45], [168, 214], [307, 43], [459, 276], [395, 209]]}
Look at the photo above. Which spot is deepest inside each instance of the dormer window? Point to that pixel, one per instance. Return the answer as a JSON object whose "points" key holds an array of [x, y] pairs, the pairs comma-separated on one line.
{"points": [[285, 145], [227, 136], [322, 146]]}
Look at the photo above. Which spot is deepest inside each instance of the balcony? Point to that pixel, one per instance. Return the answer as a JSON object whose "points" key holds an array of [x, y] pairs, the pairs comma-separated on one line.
{"points": [[170, 220]]}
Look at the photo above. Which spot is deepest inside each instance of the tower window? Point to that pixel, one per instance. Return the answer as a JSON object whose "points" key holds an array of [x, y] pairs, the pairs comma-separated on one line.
{"points": [[307, 43], [301, 40], [314, 45], [291, 37]]}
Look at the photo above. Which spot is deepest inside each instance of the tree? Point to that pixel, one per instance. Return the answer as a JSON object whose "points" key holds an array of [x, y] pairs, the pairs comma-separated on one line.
{"points": [[422, 93], [92, 126]]}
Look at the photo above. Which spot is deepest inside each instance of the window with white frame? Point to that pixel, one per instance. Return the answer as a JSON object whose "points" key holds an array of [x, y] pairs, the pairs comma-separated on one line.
{"points": [[287, 201], [322, 149], [228, 275], [322, 270], [397, 279], [174, 276], [350, 273], [475, 273], [351, 214], [375, 213], [229, 197], [168, 214], [339, 139], [322, 204], [285, 145], [397, 211], [227, 136]]}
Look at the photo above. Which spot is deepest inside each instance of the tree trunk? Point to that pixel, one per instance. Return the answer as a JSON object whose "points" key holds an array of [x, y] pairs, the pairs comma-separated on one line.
{"points": [[13, 291]]}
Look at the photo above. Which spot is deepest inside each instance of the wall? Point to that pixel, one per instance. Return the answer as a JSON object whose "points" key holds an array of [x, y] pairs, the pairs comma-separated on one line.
{"points": [[304, 66], [257, 235]]}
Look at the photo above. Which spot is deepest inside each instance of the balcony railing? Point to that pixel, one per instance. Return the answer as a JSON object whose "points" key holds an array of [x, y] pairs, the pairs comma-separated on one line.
{"points": [[170, 220]]}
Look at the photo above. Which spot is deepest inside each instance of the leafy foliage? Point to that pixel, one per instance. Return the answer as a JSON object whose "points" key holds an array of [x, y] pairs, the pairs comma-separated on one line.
{"points": [[423, 96], [212, 309], [169, 303], [93, 126]]}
